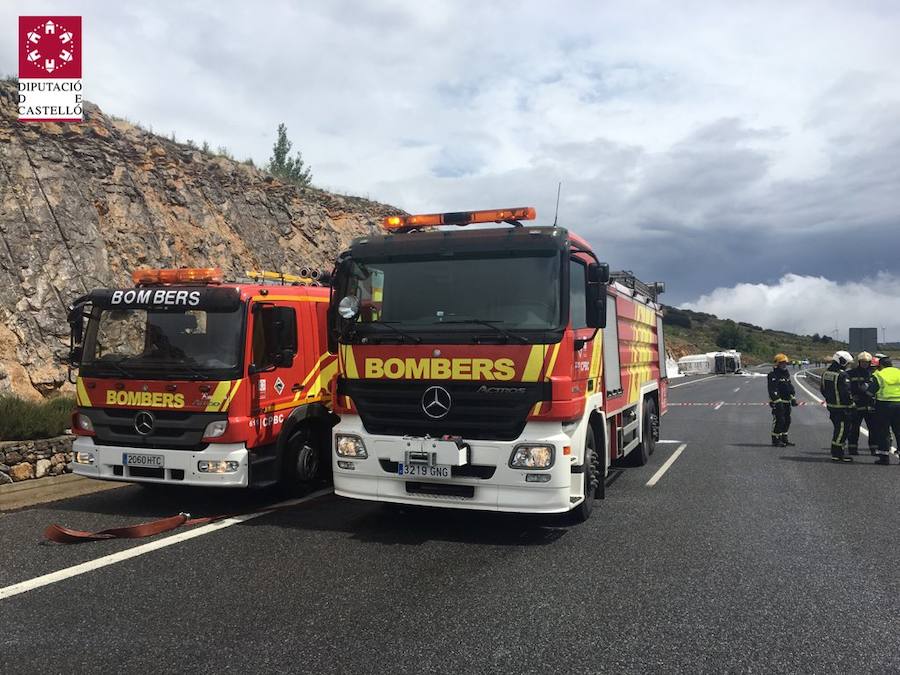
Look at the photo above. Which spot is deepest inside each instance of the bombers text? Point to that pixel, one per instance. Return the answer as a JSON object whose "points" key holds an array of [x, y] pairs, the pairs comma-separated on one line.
{"points": [[440, 369], [144, 399], [156, 297]]}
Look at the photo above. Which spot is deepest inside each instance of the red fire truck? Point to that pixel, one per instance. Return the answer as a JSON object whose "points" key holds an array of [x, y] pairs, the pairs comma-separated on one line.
{"points": [[187, 380], [473, 371]]}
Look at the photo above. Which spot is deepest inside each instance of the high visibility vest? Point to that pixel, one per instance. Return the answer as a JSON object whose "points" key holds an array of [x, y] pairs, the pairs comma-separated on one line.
{"points": [[888, 384]]}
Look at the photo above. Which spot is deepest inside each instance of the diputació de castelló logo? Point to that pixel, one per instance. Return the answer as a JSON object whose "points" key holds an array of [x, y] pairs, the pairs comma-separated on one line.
{"points": [[50, 87]]}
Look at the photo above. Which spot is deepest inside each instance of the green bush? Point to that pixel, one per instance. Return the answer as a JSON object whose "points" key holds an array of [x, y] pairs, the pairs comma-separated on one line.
{"points": [[22, 420]]}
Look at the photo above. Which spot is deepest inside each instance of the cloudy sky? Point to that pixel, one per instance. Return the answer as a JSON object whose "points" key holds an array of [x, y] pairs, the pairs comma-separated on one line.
{"points": [[748, 154]]}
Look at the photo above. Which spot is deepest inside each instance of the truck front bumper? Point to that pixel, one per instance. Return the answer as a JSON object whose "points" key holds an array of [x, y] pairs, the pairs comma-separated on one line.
{"points": [[179, 467], [499, 488]]}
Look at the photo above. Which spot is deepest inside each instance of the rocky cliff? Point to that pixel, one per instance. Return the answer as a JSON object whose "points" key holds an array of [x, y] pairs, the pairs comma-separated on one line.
{"points": [[81, 205]]}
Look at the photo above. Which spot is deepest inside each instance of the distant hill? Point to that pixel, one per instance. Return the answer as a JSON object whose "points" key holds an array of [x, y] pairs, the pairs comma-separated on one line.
{"points": [[689, 332]]}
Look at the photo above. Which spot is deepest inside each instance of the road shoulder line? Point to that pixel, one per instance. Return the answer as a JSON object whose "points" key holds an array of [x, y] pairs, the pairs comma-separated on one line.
{"points": [[684, 384], [112, 559], [665, 467]]}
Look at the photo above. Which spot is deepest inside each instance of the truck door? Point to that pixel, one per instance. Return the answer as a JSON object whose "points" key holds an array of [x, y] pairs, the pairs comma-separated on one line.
{"points": [[582, 377], [273, 351]]}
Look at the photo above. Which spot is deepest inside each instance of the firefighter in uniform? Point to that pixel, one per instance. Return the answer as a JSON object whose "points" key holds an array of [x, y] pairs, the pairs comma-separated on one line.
{"points": [[781, 399], [836, 392], [862, 392], [887, 407]]}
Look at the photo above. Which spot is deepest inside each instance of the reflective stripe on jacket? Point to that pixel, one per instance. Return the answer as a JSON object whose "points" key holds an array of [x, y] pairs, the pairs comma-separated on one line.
{"points": [[836, 387]]}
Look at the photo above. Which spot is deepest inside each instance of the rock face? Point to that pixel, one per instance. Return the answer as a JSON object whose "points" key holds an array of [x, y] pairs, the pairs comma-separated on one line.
{"points": [[82, 205]]}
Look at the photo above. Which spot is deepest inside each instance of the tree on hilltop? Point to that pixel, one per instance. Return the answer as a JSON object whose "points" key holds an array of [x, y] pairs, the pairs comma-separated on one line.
{"points": [[288, 169]]}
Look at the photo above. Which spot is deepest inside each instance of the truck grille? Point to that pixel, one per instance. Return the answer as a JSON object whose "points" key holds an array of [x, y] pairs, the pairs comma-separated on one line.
{"points": [[172, 429], [395, 408]]}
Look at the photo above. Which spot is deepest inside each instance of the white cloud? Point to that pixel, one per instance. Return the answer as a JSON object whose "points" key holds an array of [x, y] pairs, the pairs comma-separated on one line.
{"points": [[808, 304]]}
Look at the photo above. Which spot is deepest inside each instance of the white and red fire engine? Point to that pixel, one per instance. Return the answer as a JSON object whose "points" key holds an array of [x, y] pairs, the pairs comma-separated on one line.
{"points": [[184, 379], [500, 369]]}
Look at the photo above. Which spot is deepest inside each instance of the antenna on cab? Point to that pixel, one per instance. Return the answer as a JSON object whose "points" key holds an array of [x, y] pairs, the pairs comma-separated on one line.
{"points": [[556, 215]]}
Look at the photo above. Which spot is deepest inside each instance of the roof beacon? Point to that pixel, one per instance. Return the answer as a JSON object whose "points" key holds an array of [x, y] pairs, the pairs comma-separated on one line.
{"points": [[184, 275], [461, 218]]}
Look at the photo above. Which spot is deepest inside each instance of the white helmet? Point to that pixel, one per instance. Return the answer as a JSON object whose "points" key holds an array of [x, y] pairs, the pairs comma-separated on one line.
{"points": [[842, 358]]}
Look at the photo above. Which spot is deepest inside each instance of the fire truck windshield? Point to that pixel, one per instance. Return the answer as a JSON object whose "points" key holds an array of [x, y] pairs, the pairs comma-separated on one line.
{"points": [[513, 292], [145, 343]]}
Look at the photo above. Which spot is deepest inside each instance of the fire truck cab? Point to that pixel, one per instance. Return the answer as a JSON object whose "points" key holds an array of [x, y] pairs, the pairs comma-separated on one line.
{"points": [[499, 369], [187, 380]]}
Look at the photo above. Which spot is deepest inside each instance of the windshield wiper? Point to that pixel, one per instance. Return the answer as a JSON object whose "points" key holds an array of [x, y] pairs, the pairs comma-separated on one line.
{"points": [[489, 324], [117, 366], [399, 332], [198, 374]]}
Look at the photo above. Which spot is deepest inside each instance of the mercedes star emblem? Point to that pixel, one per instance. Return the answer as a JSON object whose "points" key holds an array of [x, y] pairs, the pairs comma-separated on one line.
{"points": [[143, 422], [436, 402]]}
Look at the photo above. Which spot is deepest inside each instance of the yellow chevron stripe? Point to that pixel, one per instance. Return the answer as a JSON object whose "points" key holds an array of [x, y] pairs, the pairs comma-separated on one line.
{"points": [[219, 395], [552, 363], [325, 376], [81, 394], [533, 366], [312, 371], [349, 362], [237, 385]]}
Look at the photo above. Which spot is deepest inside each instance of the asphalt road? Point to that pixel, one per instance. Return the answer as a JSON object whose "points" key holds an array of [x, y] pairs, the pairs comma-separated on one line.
{"points": [[742, 557]]}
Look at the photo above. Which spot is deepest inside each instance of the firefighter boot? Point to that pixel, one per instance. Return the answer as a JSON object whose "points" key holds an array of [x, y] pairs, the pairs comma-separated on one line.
{"points": [[786, 442], [852, 450], [883, 459], [776, 441]]}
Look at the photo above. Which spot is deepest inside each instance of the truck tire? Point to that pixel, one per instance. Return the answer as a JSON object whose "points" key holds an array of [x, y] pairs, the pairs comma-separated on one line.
{"points": [[651, 431], [641, 453], [301, 462], [593, 480]]}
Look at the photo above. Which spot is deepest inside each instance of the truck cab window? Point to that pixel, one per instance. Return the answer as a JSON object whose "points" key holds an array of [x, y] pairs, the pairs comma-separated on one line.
{"points": [[577, 294], [274, 331]]}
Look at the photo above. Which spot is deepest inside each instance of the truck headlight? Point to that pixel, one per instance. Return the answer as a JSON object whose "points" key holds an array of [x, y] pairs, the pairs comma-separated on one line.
{"points": [[350, 446], [218, 466], [83, 422], [215, 429], [532, 456]]}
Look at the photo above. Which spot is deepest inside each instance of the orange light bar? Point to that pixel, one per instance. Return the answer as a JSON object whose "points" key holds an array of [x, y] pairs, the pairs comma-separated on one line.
{"points": [[184, 275], [461, 218]]}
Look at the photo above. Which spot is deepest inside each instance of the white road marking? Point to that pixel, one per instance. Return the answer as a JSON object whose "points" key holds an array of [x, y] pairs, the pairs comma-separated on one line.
{"points": [[684, 384], [719, 405], [665, 467], [737, 390], [674, 442], [90, 565], [864, 432]]}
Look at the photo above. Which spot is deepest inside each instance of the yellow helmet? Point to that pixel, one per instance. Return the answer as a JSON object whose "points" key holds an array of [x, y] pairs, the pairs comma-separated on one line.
{"points": [[781, 358], [864, 356]]}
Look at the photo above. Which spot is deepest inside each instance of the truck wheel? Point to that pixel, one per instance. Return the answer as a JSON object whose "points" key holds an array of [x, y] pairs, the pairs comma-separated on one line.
{"points": [[651, 430], [641, 453], [593, 480], [301, 461]]}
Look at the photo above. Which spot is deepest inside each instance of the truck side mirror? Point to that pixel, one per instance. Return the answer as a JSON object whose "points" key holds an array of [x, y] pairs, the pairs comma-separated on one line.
{"points": [[75, 354], [76, 324], [596, 304], [598, 273]]}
